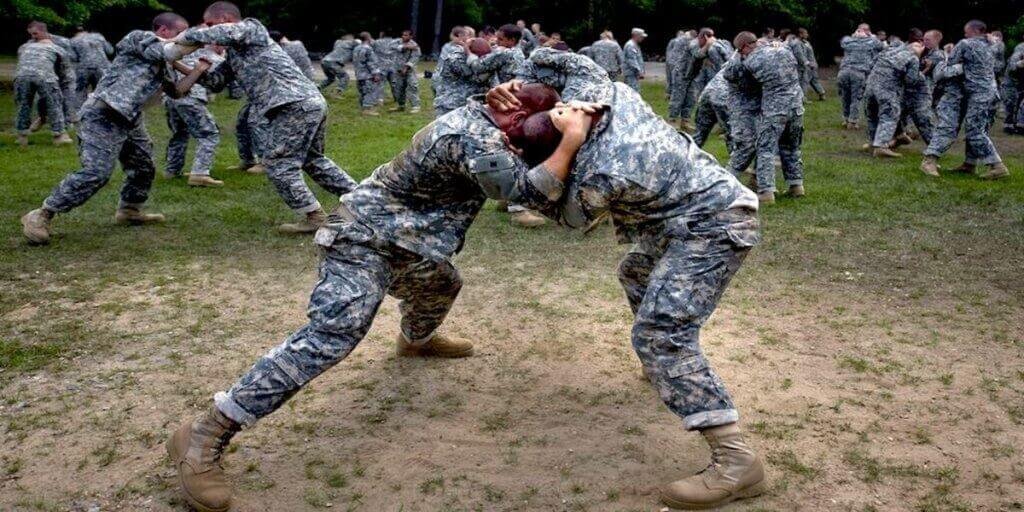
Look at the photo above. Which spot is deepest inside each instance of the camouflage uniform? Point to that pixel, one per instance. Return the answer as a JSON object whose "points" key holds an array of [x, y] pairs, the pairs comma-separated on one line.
{"points": [[333, 63], [633, 64], [1011, 87], [189, 117], [684, 69], [744, 111], [780, 125], [44, 69], [811, 81], [388, 52], [297, 51], [713, 108], [859, 55], [502, 63], [369, 75], [394, 234], [67, 89], [689, 221], [894, 72], [528, 43], [796, 47], [675, 45], [971, 63], [93, 54], [455, 81], [290, 112], [112, 127], [608, 55], [406, 84], [710, 61]]}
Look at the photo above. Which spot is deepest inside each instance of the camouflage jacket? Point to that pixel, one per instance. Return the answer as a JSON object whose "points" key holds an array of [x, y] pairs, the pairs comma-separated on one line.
{"points": [[135, 75], [92, 50], [366, 62], [608, 54], [44, 61], [896, 71], [972, 58], [809, 58], [774, 69], [268, 75], [931, 58], [503, 63], [300, 56], [389, 53], [1013, 69], [632, 58], [654, 181], [410, 54], [712, 59], [425, 199], [684, 58], [197, 92], [999, 56], [342, 51], [859, 53], [456, 81], [744, 93]]}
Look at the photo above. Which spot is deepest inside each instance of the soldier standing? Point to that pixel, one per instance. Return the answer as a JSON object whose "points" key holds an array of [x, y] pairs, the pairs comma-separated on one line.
{"points": [[333, 64], [291, 112], [454, 80], [94, 53], [973, 63], [297, 51], [188, 117], [1011, 90], [712, 109], [895, 71], [859, 53], [369, 75], [633, 59], [405, 84], [672, 49], [680, 103], [811, 80], [44, 70], [711, 55], [112, 129], [608, 54]]}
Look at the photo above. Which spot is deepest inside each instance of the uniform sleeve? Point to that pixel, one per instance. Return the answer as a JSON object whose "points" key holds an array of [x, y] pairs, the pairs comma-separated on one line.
{"points": [[65, 70], [225, 34], [913, 72], [456, 62], [107, 48], [144, 45], [576, 77], [488, 63], [217, 77], [414, 56]]}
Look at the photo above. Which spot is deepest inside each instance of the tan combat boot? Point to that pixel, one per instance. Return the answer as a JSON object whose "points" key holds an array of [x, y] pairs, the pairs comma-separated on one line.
{"points": [[414, 110], [36, 226], [995, 171], [438, 346], [134, 216], [397, 108], [257, 169], [203, 180], [765, 198], [866, 147], [885, 153], [735, 473], [311, 223], [36, 125], [965, 168], [527, 219], [370, 112], [22, 140], [796, 191], [196, 449], [930, 166], [62, 140]]}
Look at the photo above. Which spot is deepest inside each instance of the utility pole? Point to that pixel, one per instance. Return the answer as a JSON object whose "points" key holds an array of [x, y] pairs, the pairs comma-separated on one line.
{"points": [[437, 28]]}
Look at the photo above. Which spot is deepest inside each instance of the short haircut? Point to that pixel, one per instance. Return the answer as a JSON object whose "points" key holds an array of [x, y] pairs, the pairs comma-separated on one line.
{"points": [[365, 36], [458, 31], [742, 39], [706, 31], [479, 46], [408, 31], [978, 26], [168, 20], [537, 97], [221, 9], [935, 33], [539, 138], [915, 34], [511, 31], [275, 35], [38, 25]]}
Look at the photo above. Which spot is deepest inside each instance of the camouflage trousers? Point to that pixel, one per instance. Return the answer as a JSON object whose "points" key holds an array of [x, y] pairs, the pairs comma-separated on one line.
{"points": [[189, 118], [86, 80], [355, 276], [810, 81], [708, 114], [743, 136], [780, 136], [104, 138], [681, 97], [851, 85], [26, 90], [917, 107], [975, 112], [66, 102], [632, 81], [246, 136], [235, 90], [1011, 95], [370, 92], [290, 140], [673, 286], [669, 79], [405, 87], [882, 109], [335, 72]]}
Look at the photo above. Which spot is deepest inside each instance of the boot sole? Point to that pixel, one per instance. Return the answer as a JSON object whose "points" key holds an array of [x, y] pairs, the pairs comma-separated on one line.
{"points": [[749, 492], [172, 453], [33, 240]]}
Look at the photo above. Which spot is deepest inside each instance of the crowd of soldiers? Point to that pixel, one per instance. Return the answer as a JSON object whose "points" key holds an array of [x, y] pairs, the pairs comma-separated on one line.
{"points": [[520, 119]]}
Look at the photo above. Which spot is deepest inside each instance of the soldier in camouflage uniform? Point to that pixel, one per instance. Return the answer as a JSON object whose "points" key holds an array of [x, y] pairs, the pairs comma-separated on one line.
{"points": [[404, 83], [711, 55], [672, 49], [188, 117], [712, 109], [67, 92], [454, 80], [297, 51], [528, 41], [112, 129], [93, 54], [608, 54], [691, 224], [633, 59], [1011, 90], [291, 112], [680, 103], [333, 63], [895, 72], [505, 58], [971, 62], [810, 61], [44, 69], [780, 125], [369, 75], [395, 234], [388, 51], [860, 51]]}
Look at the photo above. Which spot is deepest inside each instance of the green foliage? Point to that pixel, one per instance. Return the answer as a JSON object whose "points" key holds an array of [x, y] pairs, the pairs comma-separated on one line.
{"points": [[66, 13]]}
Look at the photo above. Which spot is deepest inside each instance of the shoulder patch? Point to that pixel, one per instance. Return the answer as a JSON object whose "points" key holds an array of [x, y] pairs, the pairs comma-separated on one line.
{"points": [[491, 162]]}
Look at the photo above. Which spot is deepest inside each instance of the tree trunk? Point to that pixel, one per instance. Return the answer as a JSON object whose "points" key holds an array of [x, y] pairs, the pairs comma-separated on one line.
{"points": [[414, 17], [437, 28]]}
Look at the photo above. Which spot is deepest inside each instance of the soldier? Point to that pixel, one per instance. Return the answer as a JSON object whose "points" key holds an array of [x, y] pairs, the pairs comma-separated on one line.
{"points": [[691, 224], [388, 52], [291, 113], [188, 117], [528, 41], [505, 58], [1011, 90], [930, 59], [297, 51], [672, 49], [93, 54], [780, 125], [396, 234], [859, 53], [810, 76], [971, 62], [995, 38], [917, 99], [895, 71], [633, 59], [113, 129], [44, 69], [454, 80], [369, 75], [405, 84], [333, 63], [681, 95], [67, 92], [712, 109], [711, 55], [608, 54]]}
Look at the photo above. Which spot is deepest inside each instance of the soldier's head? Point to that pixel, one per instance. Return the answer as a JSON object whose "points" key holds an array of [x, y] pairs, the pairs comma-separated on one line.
{"points": [[690, 33], [458, 34], [917, 47], [37, 31], [915, 35], [996, 34], [932, 39], [80, 30], [882, 35], [539, 138], [348, 37], [221, 12], [745, 42], [509, 35], [533, 98], [638, 35], [768, 33], [975, 28], [407, 35], [470, 31], [168, 25], [784, 33], [535, 28], [365, 37], [275, 35], [802, 33], [479, 46], [704, 34], [520, 23], [864, 29]]}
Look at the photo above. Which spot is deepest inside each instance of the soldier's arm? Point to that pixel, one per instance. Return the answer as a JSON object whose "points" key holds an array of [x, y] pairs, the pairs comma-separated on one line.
{"points": [[576, 77], [181, 88], [225, 34], [488, 63], [65, 71], [108, 49], [216, 78], [414, 56], [458, 62]]}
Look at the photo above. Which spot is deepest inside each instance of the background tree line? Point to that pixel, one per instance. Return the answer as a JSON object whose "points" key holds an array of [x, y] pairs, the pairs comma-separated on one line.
{"points": [[318, 23]]}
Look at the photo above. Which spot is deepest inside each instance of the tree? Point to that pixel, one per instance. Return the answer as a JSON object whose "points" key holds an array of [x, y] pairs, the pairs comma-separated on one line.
{"points": [[65, 13]]}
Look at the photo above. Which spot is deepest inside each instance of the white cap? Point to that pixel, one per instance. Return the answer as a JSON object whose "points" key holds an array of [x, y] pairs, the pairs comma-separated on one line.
{"points": [[639, 32]]}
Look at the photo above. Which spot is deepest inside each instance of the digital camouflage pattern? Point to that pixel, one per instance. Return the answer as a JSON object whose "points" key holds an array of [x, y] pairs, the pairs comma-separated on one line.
{"points": [[632, 64], [369, 75], [246, 137], [456, 81], [135, 75], [710, 61], [405, 83], [44, 71], [895, 72], [859, 55], [333, 64], [1012, 85], [681, 94], [672, 49], [608, 54], [93, 55], [502, 63], [300, 56], [712, 109], [811, 80], [187, 118]]}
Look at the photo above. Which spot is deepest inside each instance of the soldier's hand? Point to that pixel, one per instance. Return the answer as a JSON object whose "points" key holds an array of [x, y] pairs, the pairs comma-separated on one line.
{"points": [[585, 106], [572, 123], [203, 64], [503, 98]]}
